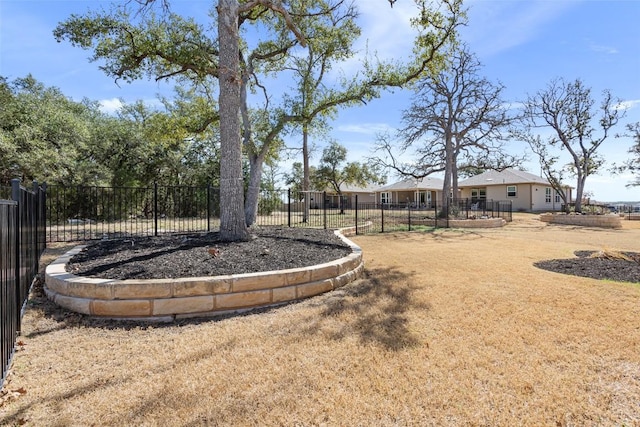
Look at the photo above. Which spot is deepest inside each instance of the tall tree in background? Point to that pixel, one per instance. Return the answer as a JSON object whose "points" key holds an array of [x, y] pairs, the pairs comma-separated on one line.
{"points": [[334, 171], [457, 121], [330, 32], [136, 45], [44, 135], [568, 110]]}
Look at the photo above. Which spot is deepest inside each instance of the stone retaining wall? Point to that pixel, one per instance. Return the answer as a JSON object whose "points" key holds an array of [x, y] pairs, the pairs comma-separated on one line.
{"points": [[169, 299], [462, 223], [603, 221]]}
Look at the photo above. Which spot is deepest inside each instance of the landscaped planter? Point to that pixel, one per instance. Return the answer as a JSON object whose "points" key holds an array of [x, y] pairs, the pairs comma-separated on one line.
{"points": [[603, 221], [169, 299]]}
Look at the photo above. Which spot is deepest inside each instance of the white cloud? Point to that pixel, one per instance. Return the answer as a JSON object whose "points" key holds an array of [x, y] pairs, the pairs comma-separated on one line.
{"points": [[603, 49], [497, 26], [386, 33], [627, 105], [366, 128], [110, 106]]}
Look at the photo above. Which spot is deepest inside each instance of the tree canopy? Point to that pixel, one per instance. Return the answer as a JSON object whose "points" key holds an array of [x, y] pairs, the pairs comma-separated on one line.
{"points": [[159, 44], [457, 122], [578, 128]]}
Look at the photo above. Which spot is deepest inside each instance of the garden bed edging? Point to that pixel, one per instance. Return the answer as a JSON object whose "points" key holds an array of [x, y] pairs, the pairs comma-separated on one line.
{"points": [[603, 221], [170, 299]]}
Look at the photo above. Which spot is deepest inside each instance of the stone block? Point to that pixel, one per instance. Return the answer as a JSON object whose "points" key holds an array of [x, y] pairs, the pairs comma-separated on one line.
{"points": [[314, 288], [254, 282], [243, 299], [202, 286], [323, 271], [284, 294], [183, 305], [86, 289], [121, 308], [78, 305], [296, 276], [141, 289]]}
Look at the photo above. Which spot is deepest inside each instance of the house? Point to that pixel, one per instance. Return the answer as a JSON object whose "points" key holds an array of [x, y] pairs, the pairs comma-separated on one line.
{"points": [[411, 191], [526, 191], [365, 194]]}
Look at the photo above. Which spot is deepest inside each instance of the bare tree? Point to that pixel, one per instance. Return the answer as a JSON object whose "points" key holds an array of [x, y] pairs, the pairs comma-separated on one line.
{"points": [[568, 110], [632, 164], [457, 121]]}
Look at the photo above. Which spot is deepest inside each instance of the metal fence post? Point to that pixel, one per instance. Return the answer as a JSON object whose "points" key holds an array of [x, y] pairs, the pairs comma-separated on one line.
{"points": [[208, 207], [15, 196], [382, 216], [155, 208], [324, 208], [409, 215], [289, 207], [356, 214]]}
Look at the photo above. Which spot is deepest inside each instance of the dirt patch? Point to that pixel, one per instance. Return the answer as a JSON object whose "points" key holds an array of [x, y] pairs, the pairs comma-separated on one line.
{"points": [[197, 255], [591, 264]]}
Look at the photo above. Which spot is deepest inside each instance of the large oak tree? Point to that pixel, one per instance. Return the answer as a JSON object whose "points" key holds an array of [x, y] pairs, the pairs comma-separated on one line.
{"points": [[457, 121]]}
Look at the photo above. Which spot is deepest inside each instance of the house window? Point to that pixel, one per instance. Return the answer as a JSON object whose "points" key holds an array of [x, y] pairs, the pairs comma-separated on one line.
{"points": [[558, 197], [547, 195], [511, 191], [478, 194], [385, 197]]}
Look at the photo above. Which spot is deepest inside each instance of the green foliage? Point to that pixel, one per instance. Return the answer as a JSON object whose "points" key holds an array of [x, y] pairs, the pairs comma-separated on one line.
{"points": [[45, 136], [334, 171]]}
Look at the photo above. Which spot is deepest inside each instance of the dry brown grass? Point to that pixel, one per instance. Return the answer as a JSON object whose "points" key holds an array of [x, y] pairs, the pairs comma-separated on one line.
{"points": [[449, 328]]}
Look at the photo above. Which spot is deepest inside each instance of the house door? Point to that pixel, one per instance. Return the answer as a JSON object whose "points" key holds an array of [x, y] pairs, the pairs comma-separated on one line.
{"points": [[423, 199]]}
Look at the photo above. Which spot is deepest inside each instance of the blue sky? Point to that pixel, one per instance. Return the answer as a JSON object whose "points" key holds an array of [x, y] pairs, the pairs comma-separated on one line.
{"points": [[521, 43]]}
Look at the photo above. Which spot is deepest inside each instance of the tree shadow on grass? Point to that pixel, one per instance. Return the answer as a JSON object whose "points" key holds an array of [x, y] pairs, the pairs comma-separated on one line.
{"points": [[374, 309], [107, 379]]}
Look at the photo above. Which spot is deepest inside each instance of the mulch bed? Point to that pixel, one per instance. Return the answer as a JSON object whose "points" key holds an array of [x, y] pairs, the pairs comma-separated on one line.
{"points": [[197, 255], [595, 265]]}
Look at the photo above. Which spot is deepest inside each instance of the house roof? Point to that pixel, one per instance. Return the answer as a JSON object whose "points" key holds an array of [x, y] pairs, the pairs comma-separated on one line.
{"points": [[505, 177], [426, 183], [371, 188]]}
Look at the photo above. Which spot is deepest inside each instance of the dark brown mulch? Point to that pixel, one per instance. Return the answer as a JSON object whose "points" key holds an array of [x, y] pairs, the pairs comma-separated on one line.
{"points": [[197, 255], [596, 267]]}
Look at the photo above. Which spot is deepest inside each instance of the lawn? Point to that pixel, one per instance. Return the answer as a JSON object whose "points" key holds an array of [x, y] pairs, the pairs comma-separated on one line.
{"points": [[449, 327]]}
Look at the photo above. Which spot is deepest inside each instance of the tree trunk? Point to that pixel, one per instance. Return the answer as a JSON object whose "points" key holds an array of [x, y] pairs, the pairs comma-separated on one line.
{"points": [[446, 188], [306, 180], [580, 191], [232, 220], [253, 191]]}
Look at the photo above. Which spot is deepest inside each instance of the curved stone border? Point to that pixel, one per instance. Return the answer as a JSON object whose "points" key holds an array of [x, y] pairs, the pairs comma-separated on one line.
{"points": [[169, 299], [461, 223], [604, 221]]}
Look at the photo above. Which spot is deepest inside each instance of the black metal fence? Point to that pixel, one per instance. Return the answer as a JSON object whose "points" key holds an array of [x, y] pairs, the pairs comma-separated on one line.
{"points": [[90, 213], [22, 241]]}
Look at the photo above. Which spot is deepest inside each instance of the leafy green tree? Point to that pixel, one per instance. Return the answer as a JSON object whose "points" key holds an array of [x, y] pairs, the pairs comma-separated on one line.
{"points": [[569, 111], [334, 171], [45, 135], [295, 179], [164, 45]]}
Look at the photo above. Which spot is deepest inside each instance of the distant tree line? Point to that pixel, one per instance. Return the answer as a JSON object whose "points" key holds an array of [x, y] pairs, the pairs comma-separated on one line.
{"points": [[48, 137]]}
